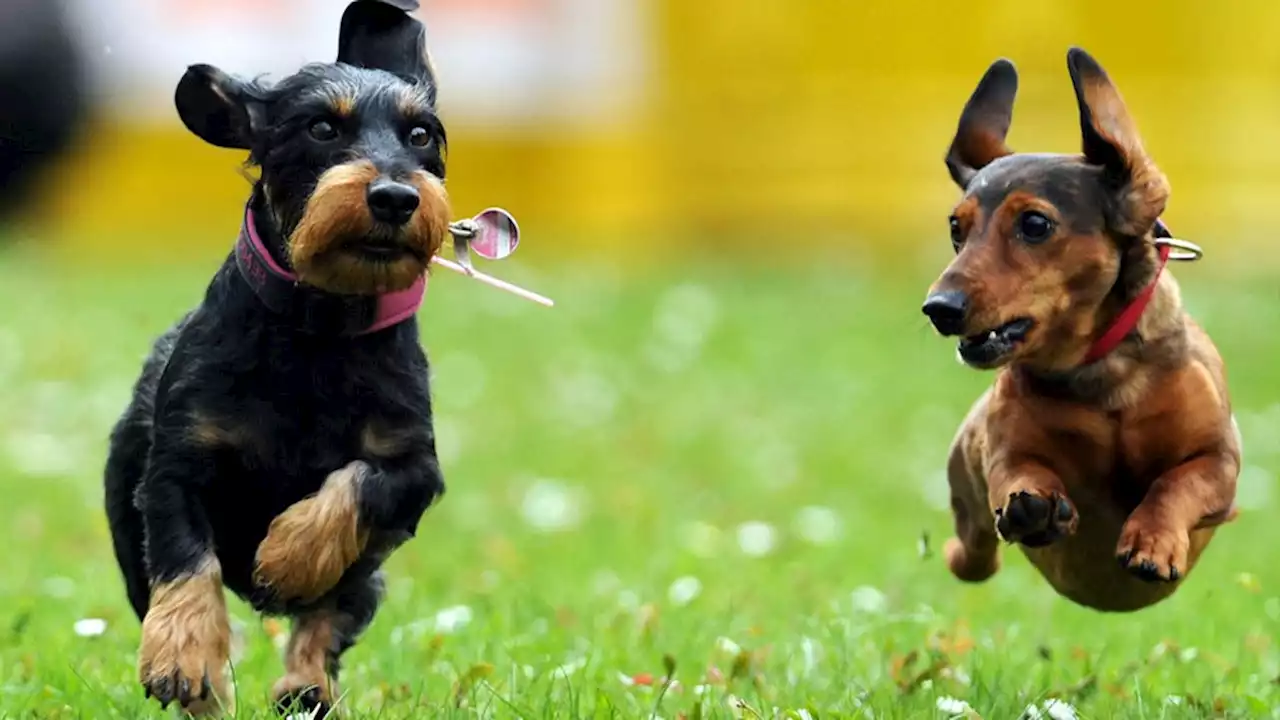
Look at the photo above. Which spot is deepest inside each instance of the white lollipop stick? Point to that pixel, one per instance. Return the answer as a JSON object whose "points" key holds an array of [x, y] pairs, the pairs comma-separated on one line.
{"points": [[493, 281]]}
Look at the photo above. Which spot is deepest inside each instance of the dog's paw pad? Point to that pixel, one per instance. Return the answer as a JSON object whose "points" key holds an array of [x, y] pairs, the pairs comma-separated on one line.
{"points": [[1035, 520]]}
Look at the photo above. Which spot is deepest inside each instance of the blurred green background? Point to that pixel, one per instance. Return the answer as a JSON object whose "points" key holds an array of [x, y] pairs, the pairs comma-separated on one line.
{"points": [[726, 442]]}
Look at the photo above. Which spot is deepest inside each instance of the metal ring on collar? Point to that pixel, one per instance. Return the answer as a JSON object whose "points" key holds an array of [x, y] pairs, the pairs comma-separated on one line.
{"points": [[1184, 251]]}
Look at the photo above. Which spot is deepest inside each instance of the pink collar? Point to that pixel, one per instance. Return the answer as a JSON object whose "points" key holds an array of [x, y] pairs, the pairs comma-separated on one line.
{"points": [[279, 290]]}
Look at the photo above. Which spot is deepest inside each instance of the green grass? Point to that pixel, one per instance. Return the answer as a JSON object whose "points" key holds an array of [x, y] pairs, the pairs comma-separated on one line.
{"points": [[653, 414]]}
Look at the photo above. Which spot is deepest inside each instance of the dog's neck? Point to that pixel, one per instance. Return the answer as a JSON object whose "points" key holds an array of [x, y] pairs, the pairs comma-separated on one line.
{"points": [[258, 258], [1123, 377]]}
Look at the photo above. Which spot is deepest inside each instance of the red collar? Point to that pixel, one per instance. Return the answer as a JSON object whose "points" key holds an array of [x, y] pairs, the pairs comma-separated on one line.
{"points": [[1128, 318]]}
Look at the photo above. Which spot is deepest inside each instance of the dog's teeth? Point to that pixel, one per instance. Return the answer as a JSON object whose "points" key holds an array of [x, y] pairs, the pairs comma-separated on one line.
{"points": [[991, 335]]}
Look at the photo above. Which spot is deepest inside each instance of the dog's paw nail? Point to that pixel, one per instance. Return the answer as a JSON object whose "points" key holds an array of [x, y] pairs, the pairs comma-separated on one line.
{"points": [[1125, 558], [1064, 511], [1148, 570], [206, 687], [1174, 574]]}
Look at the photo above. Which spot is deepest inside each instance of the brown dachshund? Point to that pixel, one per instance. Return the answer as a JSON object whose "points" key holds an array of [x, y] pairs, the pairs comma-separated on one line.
{"points": [[1106, 447]]}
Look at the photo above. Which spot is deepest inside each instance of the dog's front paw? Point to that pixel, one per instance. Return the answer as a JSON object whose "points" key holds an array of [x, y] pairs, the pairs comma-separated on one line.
{"points": [[312, 543], [1036, 519], [296, 696], [1153, 551], [186, 645]]}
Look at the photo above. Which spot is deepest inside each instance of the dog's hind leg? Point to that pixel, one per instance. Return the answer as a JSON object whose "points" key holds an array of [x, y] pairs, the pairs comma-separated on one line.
{"points": [[130, 444], [973, 555], [126, 462], [319, 638]]}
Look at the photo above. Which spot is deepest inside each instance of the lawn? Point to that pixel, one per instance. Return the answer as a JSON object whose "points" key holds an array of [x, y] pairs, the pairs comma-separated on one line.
{"points": [[729, 473]]}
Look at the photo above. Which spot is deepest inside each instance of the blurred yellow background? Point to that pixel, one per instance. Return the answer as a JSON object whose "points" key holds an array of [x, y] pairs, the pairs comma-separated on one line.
{"points": [[763, 120]]}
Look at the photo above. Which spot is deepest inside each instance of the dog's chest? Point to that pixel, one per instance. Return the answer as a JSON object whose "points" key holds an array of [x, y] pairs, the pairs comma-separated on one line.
{"points": [[1103, 449], [300, 412], [1086, 446], [297, 443]]}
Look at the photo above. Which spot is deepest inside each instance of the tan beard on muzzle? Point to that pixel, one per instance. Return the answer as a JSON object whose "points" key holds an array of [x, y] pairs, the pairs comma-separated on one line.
{"points": [[337, 214]]}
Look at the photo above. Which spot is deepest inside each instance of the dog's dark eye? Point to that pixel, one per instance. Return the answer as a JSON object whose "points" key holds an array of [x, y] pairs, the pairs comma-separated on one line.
{"points": [[1034, 227], [322, 130], [419, 137], [957, 236]]}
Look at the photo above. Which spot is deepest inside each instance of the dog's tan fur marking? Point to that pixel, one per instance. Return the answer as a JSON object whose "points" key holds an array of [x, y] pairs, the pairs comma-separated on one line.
{"points": [[342, 101], [337, 210], [307, 658], [337, 213], [312, 543], [412, 102], [379, 441], [186, 636], [431, 224], [207, 432]]}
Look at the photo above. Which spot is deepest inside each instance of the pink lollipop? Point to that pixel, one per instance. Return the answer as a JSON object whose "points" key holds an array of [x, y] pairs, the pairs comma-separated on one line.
{"points": [[497, 234], [494, 235]]}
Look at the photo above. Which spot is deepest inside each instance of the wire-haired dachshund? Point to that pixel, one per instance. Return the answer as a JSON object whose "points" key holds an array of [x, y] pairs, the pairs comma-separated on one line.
{"points": [[279, 441]]}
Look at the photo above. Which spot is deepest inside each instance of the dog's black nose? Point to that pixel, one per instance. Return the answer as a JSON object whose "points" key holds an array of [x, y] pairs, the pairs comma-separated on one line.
{"points": [[392, 202], [946, 310]]}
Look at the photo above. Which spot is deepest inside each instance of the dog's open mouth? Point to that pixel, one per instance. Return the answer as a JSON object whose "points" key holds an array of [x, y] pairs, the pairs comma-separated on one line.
{"points": [[988, 348]]}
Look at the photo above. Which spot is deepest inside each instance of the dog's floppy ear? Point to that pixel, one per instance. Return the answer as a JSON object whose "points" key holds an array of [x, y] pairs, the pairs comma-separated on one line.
{"points": [[984, 123], [215, 106], [1111, 140], [381, 34]]}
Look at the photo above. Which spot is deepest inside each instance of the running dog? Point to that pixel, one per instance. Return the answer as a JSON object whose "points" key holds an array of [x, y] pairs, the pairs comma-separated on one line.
{"points": [[279, 442], [1106, 447]]}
